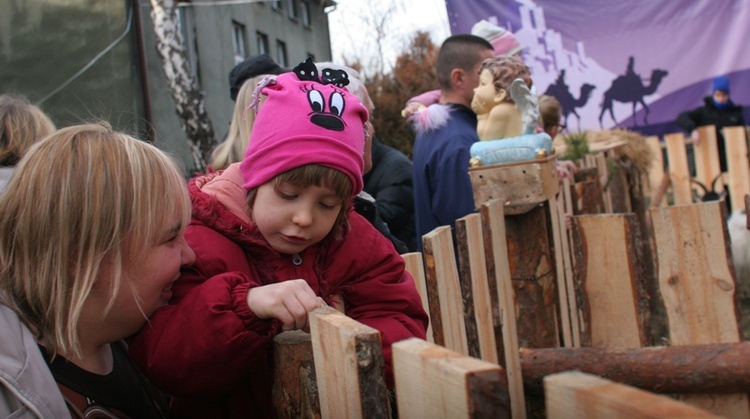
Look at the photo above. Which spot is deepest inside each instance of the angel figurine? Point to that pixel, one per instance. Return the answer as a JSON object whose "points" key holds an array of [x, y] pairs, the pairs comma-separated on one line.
{"points": [[507, 114]]}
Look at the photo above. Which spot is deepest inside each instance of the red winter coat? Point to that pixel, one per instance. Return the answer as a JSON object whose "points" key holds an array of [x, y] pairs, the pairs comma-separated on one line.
{"points": [[207, 348]]}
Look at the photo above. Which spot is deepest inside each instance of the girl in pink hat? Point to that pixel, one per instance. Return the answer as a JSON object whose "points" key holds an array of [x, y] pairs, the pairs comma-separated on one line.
{"points": [[275, 237]]}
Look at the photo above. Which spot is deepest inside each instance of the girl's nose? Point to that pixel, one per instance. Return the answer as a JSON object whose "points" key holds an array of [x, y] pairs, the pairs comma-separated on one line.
{"points": [[303, 217]]}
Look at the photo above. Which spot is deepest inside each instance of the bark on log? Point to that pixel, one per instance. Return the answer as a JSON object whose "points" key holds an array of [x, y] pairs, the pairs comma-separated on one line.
{"points": [[687, 369]]}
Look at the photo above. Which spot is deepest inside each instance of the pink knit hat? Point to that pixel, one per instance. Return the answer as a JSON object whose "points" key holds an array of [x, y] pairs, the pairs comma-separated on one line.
{"points": [[503, 41], [306, 120]]}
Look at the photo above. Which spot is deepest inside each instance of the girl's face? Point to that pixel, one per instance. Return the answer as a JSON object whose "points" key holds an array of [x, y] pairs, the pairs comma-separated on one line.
{"points": [[292, 218]]}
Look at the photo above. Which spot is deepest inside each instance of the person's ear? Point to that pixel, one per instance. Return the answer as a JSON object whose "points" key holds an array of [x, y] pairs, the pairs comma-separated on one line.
{"points": [[458, 76], [500, 96]]}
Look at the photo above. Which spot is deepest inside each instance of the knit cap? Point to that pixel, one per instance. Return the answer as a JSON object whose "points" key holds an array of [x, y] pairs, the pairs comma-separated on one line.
{"points": [[306, 120], [721, 83], [503, 41]]}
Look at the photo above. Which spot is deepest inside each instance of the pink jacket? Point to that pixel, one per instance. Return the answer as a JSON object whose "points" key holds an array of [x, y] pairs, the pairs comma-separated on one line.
{"points": [[208, 349]]}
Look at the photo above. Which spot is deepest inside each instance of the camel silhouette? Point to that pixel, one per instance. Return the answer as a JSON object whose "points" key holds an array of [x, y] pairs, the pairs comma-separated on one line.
{"points": [[568, 103], [630, 89]]}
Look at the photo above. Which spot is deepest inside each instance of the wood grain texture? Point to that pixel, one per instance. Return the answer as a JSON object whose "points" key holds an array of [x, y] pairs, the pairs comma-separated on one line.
{"points": [[737, 164], [475, 289], [679, 171], [434, 382], [444, 291], [295, 390], [349, 366], [576, 395], [609, 281], [493, 217], [415, 267]]}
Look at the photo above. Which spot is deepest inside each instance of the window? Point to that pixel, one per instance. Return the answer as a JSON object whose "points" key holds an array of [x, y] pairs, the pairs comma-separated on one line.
{"points": [[187, 26], [293, 12], [238, 42], [262, 43], [281, 53], [277, 5], [305, 9]]}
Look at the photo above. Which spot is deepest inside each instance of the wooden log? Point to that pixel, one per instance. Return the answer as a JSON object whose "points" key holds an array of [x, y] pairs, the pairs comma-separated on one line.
{"points": [[415, 267], [589, 198], [295, 390], [444, 291], [480, 331], [697, 283], [609, 281], [349, 366], [679, 171], [586, 173], [534, 278], [434, 382], [493, 218], [737, 165], [684, 369], [577, 395]]}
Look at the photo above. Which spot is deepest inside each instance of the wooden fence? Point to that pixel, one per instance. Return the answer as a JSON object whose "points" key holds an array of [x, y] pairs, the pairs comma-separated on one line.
{"points": [[603, 318]]}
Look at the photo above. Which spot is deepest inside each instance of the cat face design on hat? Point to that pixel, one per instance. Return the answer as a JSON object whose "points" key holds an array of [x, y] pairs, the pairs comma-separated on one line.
{"points": [[329, 118], [306, 119]]}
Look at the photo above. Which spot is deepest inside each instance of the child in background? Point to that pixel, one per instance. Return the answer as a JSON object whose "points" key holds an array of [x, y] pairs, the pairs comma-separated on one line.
{"points": [[275, 237], [21, 125], [91, 241]]}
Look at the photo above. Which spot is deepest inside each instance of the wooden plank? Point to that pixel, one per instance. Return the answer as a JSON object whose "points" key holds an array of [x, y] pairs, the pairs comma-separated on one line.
{"points": [[534, 278], [679, 171], [295, 390], [737, 165], [697, 284], [518, 184], [493, 218], [434, 382], [349, 366], [566, 205], [576, 395], [444, 290], [589, 197], [609, 281], [656, 171], [706, 155], [602, 164], [415, 267], [619, 189], [475, 288], [559, 234], [683, 369]]}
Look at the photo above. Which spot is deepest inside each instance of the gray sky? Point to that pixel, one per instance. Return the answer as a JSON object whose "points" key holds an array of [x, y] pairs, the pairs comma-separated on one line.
{"points": [[352, 36]]}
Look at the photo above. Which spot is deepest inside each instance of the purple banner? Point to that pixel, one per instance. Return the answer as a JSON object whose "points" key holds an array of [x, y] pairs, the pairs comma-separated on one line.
{"points": [[635, 64]]}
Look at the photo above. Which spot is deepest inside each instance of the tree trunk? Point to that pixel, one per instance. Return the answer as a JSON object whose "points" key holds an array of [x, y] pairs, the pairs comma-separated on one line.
{"points": [[189, 102]]}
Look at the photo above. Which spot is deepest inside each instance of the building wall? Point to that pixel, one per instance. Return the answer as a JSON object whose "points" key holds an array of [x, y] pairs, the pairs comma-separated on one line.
{"points": [[210, 31]]}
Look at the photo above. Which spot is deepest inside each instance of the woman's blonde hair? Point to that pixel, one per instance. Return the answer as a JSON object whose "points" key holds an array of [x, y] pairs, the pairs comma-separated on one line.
{"points": [[21, 125], [232, 149], [84, 197]]}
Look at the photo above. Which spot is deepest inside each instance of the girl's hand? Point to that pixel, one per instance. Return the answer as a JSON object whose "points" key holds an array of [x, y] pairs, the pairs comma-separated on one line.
{"points": [[288, 301]]}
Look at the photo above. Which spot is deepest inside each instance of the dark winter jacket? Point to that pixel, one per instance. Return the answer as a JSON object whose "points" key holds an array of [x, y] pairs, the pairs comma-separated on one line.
{"points": [[208, 349], [709, 114], [442, 187], [390, 183]]}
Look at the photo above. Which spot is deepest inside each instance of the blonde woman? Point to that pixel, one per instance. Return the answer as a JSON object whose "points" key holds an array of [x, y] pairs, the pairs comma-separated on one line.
{"points": [[21, 125], [91, 241], [232, 149]]}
